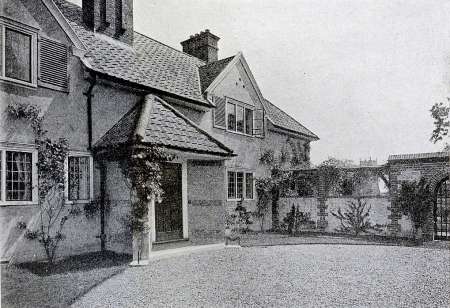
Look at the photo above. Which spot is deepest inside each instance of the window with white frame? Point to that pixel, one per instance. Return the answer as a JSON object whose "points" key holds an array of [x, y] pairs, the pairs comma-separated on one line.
{"points": [[239, 118], [240, 185], [79, 177], [17, 175], [18, 61]]}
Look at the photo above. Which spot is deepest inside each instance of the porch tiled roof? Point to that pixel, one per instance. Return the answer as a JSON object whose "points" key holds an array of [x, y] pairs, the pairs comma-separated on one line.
{"points": [[417, 156], [281, 119], [148, 62], [164, 126]]}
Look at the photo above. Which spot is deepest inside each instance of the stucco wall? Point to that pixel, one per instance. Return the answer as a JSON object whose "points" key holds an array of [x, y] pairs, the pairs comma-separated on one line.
{"points": [[81, 235], [206, 195]]}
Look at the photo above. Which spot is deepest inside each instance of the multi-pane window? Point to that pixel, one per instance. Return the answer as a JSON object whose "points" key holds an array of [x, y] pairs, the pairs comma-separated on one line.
{"points": [[17, 50], [231, 185], [249, 121], [249, 185], [18, 176], [231, 116], [240, 184], [239, 119], [79, 178]]}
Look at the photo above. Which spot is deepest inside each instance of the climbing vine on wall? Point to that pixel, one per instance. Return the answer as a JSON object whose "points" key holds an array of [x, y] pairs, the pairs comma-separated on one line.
{"points": [[142, 169], [53, 211]]}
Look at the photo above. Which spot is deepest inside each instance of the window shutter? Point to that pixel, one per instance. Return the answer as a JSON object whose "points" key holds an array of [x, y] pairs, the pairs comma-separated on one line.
{"points": [[53, 61], [1, 50], [219, 112], [258, 123]]}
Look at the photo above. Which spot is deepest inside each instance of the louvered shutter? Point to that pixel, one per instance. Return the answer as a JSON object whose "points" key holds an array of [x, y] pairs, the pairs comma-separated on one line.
{"points": [[258, 123], [1, 50], [219, 112], [53, 61]]}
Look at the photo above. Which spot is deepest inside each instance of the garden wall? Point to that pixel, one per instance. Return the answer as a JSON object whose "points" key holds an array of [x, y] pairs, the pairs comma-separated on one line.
{"points": [[379, 213]]}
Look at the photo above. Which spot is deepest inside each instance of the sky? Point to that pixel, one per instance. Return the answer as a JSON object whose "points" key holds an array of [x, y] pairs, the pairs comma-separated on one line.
{"points": [[362, 75]]}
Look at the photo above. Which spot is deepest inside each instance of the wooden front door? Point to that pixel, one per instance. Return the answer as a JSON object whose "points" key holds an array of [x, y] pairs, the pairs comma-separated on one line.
{"points": [[169, 212]]}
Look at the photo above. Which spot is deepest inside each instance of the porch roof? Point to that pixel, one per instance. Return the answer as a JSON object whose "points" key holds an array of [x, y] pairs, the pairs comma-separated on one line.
{"points": [[156, 122]]}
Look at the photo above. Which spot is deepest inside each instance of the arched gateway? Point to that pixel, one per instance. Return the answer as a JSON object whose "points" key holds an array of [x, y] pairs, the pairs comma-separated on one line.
{"points": [[442, 210]]}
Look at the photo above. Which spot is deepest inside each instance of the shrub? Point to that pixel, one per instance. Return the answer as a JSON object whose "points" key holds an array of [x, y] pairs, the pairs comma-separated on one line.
{"points": [[355, 218], [243, 217], [295, 219], [415, 200]]}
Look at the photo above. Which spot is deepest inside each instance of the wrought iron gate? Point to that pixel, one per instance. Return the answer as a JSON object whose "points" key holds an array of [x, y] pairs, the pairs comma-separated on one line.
{"points": [[442, 211]]}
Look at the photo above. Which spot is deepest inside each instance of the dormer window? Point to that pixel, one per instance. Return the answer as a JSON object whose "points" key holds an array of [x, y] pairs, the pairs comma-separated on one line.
{"points": [[18, 54], [239, 118]]}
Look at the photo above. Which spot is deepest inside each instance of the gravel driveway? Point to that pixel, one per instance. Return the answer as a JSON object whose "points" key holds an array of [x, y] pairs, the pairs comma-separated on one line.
{"points": [[303, 275]]}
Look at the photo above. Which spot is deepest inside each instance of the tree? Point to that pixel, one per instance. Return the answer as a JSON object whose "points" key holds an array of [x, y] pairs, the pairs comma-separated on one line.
{"points": [[439, 112], [53, 211], [355, 218], [415, 200]]}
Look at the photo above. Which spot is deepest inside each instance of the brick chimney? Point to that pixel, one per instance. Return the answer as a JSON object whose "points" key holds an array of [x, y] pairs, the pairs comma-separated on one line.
{"points": [[202, 45], [110, 17]]}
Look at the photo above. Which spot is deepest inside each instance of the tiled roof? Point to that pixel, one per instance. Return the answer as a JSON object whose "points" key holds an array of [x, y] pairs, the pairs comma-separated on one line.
{"points": [[148, 62], [162, 126], [210, 71], [419, 156], [281, 119]]}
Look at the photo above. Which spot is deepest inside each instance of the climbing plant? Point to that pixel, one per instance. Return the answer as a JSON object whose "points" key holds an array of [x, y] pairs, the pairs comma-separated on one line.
{"points": [[53, 211], [142, 169], [415, 200]]}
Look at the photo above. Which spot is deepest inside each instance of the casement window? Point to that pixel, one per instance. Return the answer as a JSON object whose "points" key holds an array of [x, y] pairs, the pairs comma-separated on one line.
{"points": [[231, 117], [239, 118], [18, 176], [29, 59], [79, 177], [18, 47], [240, 184], [249, 185]]}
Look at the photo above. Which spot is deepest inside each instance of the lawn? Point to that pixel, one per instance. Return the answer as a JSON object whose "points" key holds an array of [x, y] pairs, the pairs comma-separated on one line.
{"points": [[280, 276], [30, 285]]}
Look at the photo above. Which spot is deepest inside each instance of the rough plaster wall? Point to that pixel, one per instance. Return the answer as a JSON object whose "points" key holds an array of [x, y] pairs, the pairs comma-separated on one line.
{"points": [[109, 105], [206, 192], [118, 237], [80, 235], [237, 85]]}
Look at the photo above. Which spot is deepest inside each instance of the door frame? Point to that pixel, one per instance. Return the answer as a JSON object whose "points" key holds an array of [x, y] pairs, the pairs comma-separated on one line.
{"points": [[184, 201]]}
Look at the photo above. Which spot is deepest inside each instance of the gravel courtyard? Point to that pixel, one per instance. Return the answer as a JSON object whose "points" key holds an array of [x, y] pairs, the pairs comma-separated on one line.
{"points": [[303, 275]]}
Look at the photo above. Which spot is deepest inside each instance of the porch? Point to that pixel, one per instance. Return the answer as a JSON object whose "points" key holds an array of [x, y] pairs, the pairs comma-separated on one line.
{"points": [[192, 209]]}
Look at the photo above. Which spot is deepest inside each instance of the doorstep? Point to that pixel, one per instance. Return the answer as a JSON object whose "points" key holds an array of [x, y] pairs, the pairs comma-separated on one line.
{"points": [[164, 254]]}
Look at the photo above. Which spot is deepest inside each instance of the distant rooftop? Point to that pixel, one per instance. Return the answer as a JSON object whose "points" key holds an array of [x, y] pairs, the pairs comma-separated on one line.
{"points": [[417, 156]]}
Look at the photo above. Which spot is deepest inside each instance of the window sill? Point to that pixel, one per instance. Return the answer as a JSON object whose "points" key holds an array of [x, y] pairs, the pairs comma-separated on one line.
{"points": [[15, 82], [71, 202], [17, 203], [245, 199], [239, 133]]}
